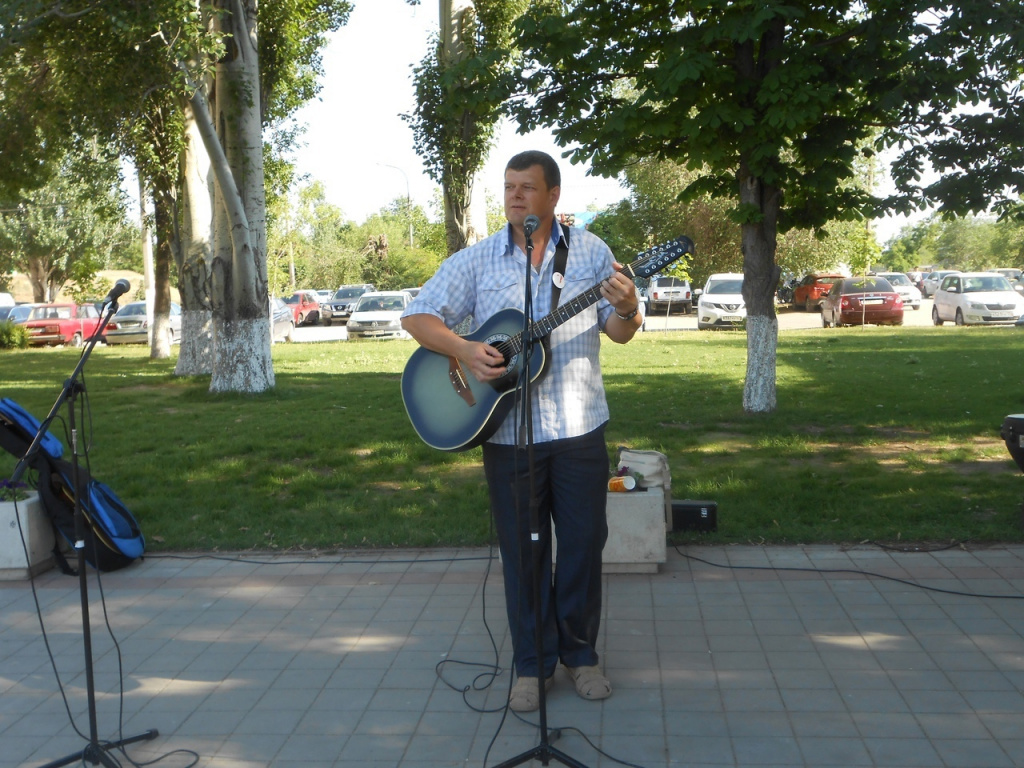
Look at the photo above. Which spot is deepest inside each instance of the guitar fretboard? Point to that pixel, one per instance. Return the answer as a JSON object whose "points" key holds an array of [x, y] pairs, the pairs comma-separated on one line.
{"points": [[646, 265]]}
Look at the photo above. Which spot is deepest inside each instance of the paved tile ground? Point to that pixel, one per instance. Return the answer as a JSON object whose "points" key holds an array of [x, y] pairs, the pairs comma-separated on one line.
{"points": [[303, 662]]}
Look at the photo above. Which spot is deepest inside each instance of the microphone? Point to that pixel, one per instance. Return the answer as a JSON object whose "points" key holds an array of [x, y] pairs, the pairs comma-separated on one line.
{"points": [[121, 287], [531, 224]]}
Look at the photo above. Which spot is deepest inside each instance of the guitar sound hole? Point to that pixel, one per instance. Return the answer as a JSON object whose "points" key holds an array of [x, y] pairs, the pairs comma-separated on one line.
{"points": [[500, 341]]}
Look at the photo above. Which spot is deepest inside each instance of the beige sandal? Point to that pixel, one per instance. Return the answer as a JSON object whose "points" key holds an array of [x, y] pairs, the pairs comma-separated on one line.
{"points": [[590, 682], [525, 695]]}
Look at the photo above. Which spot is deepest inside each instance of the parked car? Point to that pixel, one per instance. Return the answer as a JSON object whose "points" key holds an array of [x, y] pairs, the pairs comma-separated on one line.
{"points": [[16, 313], [305, 306], [664, 293], [905, 287], [282, 321], [861, 300], [930, 284], [1010, 273], [344, 299], [53, 324], [720, 303], [131, 325], [6, 300], [414, 292], [812, 289], [377, 315], [977, 298]]}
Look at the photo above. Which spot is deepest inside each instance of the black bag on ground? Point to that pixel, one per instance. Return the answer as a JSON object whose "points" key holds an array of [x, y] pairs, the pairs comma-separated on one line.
{"points": [[112, 537]]}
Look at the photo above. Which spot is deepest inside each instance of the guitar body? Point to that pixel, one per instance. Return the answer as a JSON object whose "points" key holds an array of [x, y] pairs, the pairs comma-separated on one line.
{"points": [[448, 407]]}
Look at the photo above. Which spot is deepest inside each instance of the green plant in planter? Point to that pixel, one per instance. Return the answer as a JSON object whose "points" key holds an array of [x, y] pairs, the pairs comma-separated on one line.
{"points": [[12, 335], [13, 491]]}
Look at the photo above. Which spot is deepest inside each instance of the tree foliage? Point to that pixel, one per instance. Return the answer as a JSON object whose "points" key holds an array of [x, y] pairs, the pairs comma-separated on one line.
{"points": [[326, 249], [70, 227], [969, 243], [461, 89], [791, 93]]}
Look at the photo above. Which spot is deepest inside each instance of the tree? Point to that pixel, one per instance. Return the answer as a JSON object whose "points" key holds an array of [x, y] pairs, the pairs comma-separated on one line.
{"points": [[113, 73], [775, 103], [69, 228], [461, 87], [137, 75], [968, 243]]}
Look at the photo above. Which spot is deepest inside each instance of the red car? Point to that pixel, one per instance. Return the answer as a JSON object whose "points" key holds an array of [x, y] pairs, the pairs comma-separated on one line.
{"points": [[53, 324], [812, 289], [861, 300], [305, 306]]}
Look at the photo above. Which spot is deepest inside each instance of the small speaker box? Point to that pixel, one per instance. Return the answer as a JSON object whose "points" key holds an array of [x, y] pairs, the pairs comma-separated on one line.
{"points": [[694, 515]]}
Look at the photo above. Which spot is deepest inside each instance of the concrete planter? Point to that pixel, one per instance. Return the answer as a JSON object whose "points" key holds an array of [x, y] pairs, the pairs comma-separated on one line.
{"points": [[38, 533], [636, 532]]}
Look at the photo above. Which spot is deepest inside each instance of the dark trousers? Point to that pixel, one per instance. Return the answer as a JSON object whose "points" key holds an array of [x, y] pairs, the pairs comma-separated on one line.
{"points": [[571, 481]]}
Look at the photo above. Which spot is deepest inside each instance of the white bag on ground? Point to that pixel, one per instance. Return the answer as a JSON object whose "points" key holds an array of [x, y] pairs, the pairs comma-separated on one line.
{"points": [[650, 467], [651, 470]]}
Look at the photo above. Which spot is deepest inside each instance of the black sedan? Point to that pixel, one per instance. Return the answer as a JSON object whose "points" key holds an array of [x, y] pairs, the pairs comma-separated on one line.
{"points": [[861, 300]]}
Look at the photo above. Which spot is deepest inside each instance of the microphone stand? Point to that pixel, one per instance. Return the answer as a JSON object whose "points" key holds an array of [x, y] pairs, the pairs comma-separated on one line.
{"points": [[94, 752], [543, 751]]}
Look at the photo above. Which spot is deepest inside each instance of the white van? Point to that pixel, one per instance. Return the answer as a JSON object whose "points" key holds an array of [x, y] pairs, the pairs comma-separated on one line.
{"points": [[6, 300]]}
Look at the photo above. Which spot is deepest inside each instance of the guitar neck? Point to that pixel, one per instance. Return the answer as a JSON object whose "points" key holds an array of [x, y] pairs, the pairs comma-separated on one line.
{"points": [[646, 264], [565, 312]]}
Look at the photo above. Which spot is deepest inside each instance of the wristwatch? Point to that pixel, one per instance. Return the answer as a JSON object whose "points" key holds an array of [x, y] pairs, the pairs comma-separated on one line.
{"points": [[628, 315]]}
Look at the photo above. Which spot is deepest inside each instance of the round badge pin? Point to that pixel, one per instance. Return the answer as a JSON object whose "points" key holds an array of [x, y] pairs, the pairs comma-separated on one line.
{"points": [[558, 279]]}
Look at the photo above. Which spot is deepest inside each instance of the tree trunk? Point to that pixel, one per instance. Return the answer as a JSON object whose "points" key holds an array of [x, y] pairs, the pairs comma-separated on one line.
{"points": [[193, 255], [760, 279], [45, 284], [462, 225], [163, 217], [241, 322], [38, 277], [460, 229]]}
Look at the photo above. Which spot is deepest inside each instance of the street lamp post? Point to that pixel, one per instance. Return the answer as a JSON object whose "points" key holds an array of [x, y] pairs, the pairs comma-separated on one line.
{"points": [[408, 199]]}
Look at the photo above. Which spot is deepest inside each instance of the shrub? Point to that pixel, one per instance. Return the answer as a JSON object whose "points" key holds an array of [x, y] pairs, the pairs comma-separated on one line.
{"points": [[12, 335]]}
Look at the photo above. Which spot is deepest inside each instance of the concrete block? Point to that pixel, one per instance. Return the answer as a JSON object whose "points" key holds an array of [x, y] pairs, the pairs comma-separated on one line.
{"points": [[636, 532], [38, 533]]}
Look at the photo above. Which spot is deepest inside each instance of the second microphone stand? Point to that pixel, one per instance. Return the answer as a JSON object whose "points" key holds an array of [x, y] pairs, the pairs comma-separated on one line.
{"points": [[544, 751]]}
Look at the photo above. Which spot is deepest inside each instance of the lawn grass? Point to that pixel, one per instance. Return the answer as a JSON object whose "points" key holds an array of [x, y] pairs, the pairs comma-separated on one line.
{"points": [[888, 435]]}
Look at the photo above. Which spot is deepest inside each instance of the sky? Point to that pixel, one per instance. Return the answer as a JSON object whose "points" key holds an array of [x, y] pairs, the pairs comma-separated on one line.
{"points": [[359, 147]]}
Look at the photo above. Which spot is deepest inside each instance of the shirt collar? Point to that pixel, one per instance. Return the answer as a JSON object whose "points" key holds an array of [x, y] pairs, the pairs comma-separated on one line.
{"points": [[556, 236]]}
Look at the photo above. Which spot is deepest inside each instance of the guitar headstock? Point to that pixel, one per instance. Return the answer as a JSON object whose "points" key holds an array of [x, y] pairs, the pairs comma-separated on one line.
{"points": [[651, 262]]}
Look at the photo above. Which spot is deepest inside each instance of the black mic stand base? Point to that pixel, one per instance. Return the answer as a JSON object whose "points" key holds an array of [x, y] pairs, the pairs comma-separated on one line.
{"points": [[545, 753], [96, 754]]}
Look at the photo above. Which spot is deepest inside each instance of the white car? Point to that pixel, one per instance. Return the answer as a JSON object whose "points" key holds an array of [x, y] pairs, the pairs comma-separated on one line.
{"points": [[378, 315], [667, 292], [908, 292], [721, 302], [930, 283], [131, 325], [976, 298]]}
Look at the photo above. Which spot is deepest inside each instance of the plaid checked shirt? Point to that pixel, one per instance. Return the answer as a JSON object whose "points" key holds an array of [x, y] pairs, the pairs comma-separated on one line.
{"points": [[488, 277]]}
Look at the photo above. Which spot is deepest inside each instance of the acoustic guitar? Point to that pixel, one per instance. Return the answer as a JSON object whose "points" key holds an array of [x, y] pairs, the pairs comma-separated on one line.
{"points": [[452, 411]]}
